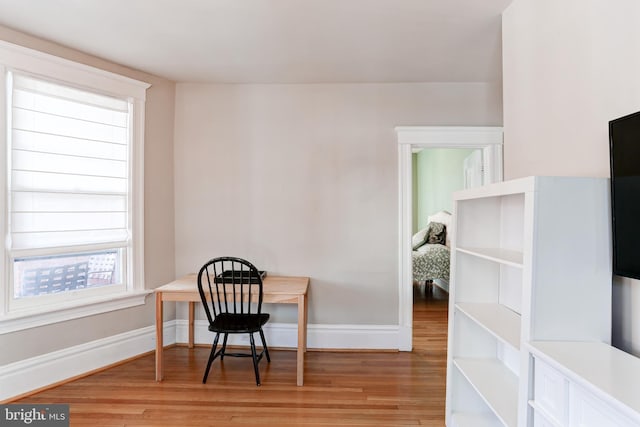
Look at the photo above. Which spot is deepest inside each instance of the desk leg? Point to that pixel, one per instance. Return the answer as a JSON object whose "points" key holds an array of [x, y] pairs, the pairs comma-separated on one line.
{"points": [[306, 320], [191, 317], [159, 332], [302, 337]]}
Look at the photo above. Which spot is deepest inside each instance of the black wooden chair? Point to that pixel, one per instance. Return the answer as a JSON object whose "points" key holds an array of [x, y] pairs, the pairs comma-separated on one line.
{"points": [[231, 293]]}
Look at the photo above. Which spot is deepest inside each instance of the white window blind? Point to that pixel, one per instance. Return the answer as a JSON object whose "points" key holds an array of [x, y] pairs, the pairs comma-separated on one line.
{"points": [[69, 166]]}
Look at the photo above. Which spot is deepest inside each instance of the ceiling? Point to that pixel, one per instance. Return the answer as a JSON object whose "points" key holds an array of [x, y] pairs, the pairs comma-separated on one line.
{"points": [[278, 41]]}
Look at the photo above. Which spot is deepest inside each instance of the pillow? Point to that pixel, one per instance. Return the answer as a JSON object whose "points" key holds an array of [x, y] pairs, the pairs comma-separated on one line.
{"points": [[437, 233], [420, 238]]}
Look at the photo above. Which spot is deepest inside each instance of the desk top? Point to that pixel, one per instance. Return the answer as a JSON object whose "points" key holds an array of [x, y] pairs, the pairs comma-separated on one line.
{"points": [[271, 285]]}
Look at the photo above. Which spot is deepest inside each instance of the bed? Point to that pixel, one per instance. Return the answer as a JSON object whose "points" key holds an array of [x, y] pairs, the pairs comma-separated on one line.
{"points": [[430, 256]]}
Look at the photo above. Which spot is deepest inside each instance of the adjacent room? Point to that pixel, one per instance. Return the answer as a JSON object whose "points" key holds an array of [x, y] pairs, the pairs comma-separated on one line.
{"points": [[437, 174], [143, 138]]}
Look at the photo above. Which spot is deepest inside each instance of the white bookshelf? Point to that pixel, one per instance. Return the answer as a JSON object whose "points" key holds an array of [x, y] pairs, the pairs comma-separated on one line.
{"points": [[496, 319], [499, 255], [530, 261], [464, 420], [495, 383]]}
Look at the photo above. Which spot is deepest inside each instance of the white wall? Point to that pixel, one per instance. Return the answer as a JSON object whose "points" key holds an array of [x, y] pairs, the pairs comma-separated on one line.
{"points": [[569, 67], [302, 180]]}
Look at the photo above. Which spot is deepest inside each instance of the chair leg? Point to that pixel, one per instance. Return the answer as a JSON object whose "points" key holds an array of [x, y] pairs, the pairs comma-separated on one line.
{"points": [[211, 357], [255, 358], [224, 346], [264, 346]]}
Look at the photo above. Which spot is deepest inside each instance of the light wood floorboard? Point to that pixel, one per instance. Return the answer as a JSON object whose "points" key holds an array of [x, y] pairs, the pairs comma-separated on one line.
{"points": [[341, 388]]}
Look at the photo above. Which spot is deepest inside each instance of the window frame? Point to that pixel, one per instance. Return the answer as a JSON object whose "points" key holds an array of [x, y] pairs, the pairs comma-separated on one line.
{"points": [[24, 60]]}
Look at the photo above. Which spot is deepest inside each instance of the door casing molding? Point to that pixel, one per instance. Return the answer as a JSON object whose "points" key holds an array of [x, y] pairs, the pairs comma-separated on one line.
{"points": [[487, 139]]}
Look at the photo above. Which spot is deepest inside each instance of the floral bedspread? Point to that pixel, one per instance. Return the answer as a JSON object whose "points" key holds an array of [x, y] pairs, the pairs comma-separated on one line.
{"points": [[430, 261]]}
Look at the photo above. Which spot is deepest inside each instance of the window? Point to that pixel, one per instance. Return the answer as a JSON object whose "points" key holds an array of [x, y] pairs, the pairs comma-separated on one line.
{"points": [[73, 202]]}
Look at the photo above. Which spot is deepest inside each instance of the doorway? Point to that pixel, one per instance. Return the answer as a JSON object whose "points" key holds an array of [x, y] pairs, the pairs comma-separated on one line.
{"points": [[488, 140], [436, 174]]}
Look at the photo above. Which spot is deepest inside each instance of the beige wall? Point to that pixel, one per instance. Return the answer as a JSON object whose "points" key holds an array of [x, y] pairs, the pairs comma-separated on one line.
{"points": [[568, 68], [159, 240], [312, 167], [302, 179]]}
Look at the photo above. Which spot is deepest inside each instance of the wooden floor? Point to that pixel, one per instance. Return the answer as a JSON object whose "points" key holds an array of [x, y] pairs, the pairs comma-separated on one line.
{"points": [[341, 388]]}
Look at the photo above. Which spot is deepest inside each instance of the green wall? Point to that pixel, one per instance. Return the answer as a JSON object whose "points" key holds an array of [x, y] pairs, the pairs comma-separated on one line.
{"points": [[437, 174], [414, 192]]}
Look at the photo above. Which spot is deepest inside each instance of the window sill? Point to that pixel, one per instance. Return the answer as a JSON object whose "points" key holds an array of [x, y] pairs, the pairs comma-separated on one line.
{"points": [[13, 322]]}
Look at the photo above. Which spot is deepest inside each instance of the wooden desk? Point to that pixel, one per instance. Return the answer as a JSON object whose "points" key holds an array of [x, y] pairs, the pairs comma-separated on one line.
{"points": [[276, 290]]}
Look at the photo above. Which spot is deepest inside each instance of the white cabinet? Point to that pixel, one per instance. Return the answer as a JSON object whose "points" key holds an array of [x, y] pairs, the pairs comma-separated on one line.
{"points": [[584, 384], [550, 392], [530, 261]]}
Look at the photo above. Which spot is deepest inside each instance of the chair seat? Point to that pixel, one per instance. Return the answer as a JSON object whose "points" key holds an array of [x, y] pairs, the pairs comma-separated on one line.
{"points": [[238, 323]]}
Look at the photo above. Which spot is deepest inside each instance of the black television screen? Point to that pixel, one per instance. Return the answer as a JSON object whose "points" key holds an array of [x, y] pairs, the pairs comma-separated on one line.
{"points": [[624, 149]]}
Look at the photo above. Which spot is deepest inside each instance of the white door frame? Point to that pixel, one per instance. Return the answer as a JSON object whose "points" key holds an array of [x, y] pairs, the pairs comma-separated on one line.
{"points": [[488, 139]]}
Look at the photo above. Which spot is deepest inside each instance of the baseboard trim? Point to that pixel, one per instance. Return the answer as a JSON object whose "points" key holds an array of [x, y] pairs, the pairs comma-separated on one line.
{"points": [[285, 335], [442, 284], [39, 372], [36, 373]]}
